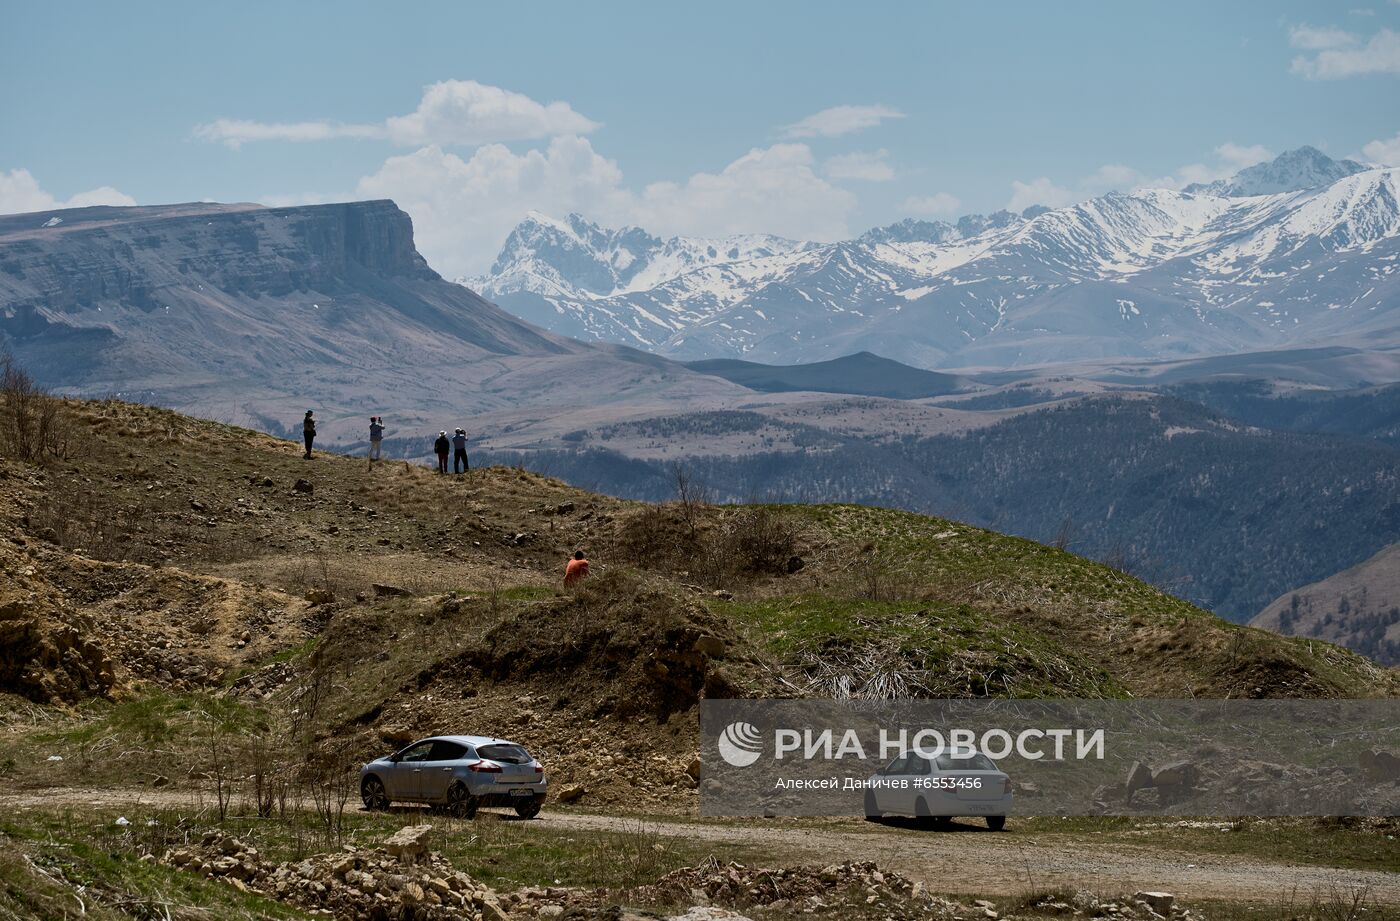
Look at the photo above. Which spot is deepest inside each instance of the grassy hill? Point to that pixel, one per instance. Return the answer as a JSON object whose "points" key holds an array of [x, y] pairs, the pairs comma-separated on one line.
{"points": [[175, 574]]}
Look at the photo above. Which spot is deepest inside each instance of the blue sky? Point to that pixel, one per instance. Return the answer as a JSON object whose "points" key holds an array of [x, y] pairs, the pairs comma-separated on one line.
{"points": [[804, 119]]}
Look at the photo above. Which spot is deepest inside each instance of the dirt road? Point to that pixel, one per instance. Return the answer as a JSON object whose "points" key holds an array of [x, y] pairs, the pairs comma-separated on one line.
{"points": [[964, 859], [968, 859]]}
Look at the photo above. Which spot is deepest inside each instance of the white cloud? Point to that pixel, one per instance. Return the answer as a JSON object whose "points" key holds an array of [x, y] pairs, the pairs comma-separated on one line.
{"points": [[1230, 159], [939, 203], [1311, 38], [451, 112], [20, 192], [1385, 151], [463, 209], [1038, 192], [870, 166], [770, 190], [471, 113], [236, 132], [839, 120], [1334, 54]]}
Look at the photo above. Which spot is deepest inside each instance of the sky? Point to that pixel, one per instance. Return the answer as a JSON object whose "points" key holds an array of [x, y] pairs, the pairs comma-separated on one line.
{"points": [[813, 120]]}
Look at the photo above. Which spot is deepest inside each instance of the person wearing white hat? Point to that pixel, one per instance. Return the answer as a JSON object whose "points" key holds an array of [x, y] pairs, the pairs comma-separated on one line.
{"points": [[442, 446]]}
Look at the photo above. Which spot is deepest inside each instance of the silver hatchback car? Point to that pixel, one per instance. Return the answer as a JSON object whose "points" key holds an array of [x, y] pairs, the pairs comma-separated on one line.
{"points": [[459, 774], [937, 787]]}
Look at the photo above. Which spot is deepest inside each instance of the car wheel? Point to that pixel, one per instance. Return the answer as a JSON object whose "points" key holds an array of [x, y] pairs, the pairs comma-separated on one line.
{"points": [[460, 802], [373, 795], [996, 822], [528, 810], [872, 807]]}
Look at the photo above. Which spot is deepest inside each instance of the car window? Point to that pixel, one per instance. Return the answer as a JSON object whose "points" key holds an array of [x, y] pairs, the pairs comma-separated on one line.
{"points": [[918, 765], [898, 765], [504, 752], [417, 752], [447, 751], [974, 762]]}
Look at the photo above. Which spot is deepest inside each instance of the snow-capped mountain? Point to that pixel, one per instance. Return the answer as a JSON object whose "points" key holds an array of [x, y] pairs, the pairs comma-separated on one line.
{"points": [[1294, 171], [1151, 273]]}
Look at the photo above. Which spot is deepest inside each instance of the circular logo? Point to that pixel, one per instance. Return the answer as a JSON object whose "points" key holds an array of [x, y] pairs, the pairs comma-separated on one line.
{"points": [[740, 744]]}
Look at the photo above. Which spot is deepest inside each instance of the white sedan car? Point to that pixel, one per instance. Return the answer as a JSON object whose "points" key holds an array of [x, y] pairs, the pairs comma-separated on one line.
{"points": [[459, 774], [939, 787]]}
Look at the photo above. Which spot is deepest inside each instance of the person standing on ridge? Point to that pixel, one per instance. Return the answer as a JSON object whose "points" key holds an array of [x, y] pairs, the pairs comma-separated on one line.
{"points": [[441, 447], [576, 570], [459, 452], [308, 432], [376, 437]]}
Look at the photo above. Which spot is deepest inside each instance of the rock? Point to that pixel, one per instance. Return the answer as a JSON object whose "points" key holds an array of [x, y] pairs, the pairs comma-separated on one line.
{"points": [[382, 590], [412, 893], [1139, 776], [564, 508], [491, 909], [319, 596], [709, 645], [693, 769], [409, 843], [1176, 774], [303, 486], [1160, 902], [550, 911], [1379, 766], [572, 793]]}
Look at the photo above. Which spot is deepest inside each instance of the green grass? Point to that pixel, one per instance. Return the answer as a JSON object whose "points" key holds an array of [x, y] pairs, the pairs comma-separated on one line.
{"points": [[935, 649], [1354, 844], [496, 849], [52, 864]]}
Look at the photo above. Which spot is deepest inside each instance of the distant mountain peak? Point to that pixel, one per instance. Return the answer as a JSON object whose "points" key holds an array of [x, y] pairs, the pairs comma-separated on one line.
{"points": [[1291, 171]]}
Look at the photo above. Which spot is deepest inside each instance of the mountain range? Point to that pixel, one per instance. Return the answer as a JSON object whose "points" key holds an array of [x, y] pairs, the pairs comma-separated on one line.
{"points": [[251, 315], [1300, 250]]}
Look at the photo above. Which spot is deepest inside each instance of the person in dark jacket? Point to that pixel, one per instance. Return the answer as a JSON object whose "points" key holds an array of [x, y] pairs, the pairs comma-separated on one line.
{"points": [[441, 447], [459, 452], [308, 432], [376, 437]]}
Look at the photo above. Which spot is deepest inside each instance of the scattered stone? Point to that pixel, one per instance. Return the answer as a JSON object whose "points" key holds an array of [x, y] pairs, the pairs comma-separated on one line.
{"points": [[1160, 902], [382, 590], [303, 486]]}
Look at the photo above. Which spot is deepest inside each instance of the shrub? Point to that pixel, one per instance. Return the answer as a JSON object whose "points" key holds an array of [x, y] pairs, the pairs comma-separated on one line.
{"points": [[33, 421]]}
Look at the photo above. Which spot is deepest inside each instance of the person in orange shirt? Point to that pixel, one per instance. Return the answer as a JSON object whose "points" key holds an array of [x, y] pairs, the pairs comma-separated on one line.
{"points": [[576, 570]]}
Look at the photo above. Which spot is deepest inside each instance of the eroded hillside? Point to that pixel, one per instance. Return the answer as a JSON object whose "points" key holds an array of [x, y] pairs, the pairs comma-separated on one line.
{"points": [[166, 562]]}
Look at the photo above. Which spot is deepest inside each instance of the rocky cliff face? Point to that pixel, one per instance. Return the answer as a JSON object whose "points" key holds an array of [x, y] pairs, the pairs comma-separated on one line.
{"points": [[132, 256], [252, 314]]}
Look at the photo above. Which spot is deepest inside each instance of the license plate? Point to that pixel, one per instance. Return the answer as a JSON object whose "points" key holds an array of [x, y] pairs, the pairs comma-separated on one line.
{"points": [[519, 792]]}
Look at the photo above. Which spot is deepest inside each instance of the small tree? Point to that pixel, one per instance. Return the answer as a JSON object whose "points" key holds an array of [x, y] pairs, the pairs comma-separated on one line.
{"points": [[33, 423]]}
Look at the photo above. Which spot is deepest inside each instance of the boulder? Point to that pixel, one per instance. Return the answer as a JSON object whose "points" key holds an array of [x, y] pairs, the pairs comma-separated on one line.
{"points": [[410, 843], [1139, 776], [1176, 774], [1379, 766], [304, 487], [572, 793]]}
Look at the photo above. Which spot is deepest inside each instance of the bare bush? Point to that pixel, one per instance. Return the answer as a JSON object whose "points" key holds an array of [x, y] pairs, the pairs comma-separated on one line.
{"points": [[33, 426], [757, 541]]}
